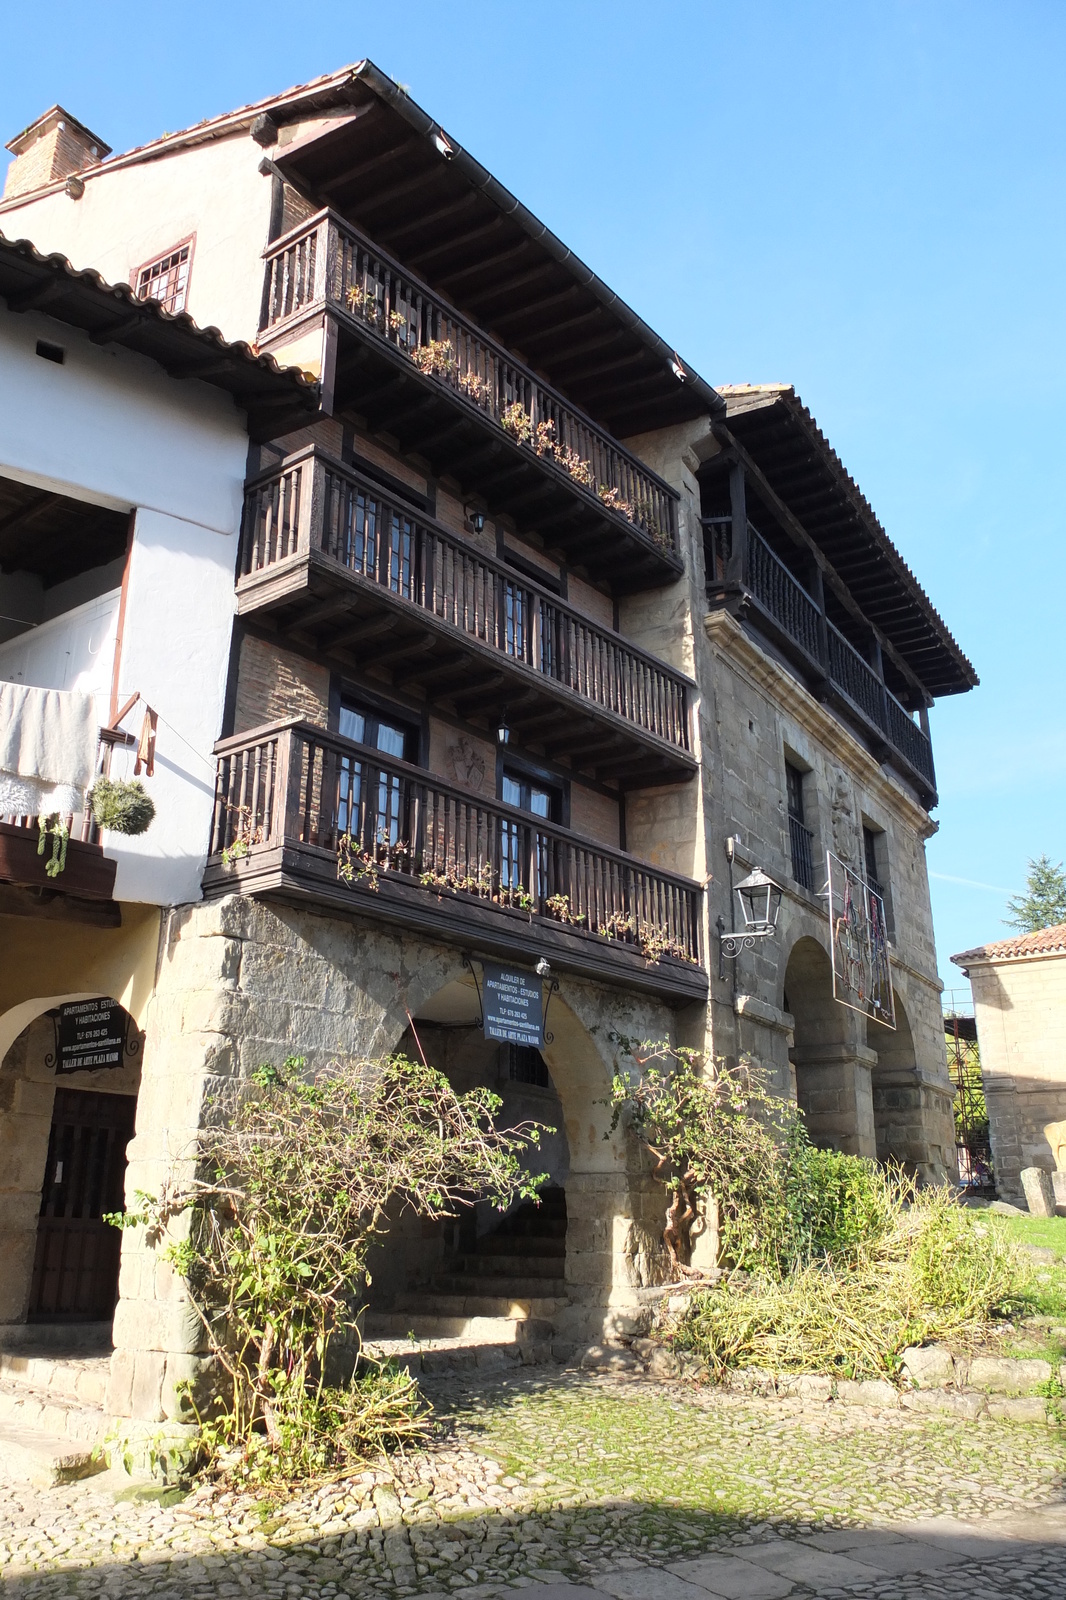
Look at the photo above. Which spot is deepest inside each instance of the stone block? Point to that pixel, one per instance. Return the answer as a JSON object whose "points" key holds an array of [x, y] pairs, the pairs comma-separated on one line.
{"points": [[1058, 1185], [1039, 1191], [148, 1369], [610, 1358], [187, 1381], [1027, 1408], [118, 1401], [1002, 1376], [928, 1366]]}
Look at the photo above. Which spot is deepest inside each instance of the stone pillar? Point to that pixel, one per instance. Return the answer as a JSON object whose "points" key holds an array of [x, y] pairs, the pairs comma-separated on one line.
{"points": [[836, 1095], [27, 1090]]}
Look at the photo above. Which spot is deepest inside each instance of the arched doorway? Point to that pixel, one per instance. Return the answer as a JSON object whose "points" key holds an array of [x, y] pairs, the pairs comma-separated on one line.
{"points": [[68, 1095], [830, 1061], [569, 1266]]}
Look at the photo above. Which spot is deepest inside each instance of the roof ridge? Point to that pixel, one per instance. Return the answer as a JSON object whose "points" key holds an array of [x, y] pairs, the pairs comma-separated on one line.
{"points": [[1043, 941]]}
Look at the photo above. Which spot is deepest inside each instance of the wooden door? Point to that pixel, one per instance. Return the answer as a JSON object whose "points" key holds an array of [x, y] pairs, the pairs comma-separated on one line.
{"points": [[75, 1270]]}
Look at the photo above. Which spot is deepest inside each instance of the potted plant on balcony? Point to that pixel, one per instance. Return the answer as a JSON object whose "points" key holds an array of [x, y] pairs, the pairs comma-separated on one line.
{"points": [[121, 805]]}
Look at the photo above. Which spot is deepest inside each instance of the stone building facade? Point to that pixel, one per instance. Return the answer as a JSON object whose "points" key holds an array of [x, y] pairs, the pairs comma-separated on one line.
{"points": [[534, 655], [1019, 997]]}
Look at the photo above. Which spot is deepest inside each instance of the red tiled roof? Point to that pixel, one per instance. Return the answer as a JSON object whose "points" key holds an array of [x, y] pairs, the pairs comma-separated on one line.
{"points": [[1045, 942]]}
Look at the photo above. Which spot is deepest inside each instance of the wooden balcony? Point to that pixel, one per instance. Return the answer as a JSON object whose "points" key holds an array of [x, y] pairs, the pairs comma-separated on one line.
{"points": [[836, 670], [331, 558], [82, 891], [308, 816], [419, 370]]}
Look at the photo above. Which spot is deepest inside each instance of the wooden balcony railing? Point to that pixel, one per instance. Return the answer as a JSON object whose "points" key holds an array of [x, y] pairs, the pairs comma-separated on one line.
{"points": [[801, 619], [328, 262], [312, 503], [26, 854], [335, 811], [82, 824]]}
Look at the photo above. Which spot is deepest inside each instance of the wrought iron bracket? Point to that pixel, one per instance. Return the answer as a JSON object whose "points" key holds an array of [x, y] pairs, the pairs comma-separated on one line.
{"points": [[553, 988], [479, 1021], [731, 944]]}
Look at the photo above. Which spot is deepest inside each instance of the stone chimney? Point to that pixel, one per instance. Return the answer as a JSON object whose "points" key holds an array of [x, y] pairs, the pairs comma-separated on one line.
{"points": [[54, 147]]}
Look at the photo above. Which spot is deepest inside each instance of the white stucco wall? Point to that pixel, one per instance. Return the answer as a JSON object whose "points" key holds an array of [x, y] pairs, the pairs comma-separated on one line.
{"points": [[113, 429], [175, 654], [130, 215]]}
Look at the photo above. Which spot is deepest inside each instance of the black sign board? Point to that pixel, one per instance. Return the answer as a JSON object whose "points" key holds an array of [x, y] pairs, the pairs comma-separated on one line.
{"points": [[514, 1006], [91, 1034]]}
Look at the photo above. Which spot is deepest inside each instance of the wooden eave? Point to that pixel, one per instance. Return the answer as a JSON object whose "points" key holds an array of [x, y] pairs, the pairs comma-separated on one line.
{"points": [[806, 475], [447, 219]]}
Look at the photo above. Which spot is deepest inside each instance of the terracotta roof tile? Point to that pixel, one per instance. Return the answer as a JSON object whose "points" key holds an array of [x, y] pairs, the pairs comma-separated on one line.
{"points": [[1045, 942]]}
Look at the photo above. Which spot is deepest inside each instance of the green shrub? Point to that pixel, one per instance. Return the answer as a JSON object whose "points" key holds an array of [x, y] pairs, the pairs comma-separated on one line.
{"points": [[927, 1269], [296, 1180]]}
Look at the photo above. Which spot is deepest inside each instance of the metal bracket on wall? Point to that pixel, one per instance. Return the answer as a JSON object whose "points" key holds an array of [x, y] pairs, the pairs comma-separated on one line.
{"points": [[479, 1021]]}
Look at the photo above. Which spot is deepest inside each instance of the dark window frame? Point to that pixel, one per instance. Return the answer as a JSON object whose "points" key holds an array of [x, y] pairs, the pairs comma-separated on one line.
{"points": [[800, 833], [530, 772]]}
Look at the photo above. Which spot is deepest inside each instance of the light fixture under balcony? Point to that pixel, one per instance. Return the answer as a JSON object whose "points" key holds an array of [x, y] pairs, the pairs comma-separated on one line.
{"points": [[475, 519], [503, 732]]}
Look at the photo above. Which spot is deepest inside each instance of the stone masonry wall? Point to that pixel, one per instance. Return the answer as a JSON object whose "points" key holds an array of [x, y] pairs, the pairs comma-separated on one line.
{"points": [[242, 982], [1021, 1030]]}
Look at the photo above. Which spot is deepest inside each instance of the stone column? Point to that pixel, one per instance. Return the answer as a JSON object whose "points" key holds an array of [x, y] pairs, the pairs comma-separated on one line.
{"points": [[836, 1094]]}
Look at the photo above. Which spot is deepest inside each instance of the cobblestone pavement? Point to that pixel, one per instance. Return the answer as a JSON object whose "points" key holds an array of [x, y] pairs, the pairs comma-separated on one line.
{"points": [[570, 1487]]}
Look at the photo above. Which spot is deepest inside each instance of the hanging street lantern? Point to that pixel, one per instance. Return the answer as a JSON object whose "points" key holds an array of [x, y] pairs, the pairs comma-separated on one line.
{"points": [[760, 901], [760, 905]]}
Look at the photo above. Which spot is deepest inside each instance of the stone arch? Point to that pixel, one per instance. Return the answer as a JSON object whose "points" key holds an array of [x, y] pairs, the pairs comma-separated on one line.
{"points": [[37, 1108], [831, 1063], [613, 1210]]}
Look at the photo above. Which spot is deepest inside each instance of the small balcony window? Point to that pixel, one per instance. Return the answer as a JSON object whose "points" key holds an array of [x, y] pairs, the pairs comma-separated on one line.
{"points": [[872, 849], [800, 837], [167, 278]]}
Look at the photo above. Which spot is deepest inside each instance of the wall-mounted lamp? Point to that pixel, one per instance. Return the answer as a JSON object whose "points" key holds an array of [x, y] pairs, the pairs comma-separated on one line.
{"points": [[475, 519], [503, 732], [760, 905]]}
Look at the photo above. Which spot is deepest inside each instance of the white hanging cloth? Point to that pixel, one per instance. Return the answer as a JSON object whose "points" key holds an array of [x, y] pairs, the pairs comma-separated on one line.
{"points": [[48, 741]]}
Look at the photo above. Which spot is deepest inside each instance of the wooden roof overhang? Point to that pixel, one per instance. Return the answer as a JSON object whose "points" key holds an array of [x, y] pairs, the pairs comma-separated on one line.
{"points": [[53, 535], [382, 162], [275, 400], [791, 453]]}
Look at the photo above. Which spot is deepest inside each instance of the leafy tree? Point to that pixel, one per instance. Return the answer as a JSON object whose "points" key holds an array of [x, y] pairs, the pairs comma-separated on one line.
{"points": [[1044, 903], [296, 1180]]}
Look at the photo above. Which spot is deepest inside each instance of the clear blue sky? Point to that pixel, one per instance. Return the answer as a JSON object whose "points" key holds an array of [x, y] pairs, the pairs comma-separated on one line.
{"points": [[861, 197]]}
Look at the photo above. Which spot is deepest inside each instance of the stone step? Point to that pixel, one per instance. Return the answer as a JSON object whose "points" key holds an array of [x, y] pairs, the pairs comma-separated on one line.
{"points": [[41, 1411], [437, 1357], [499, 1265], [58, 1338], [44, 1460], [399, 1325], [516, 1244], [67, 1377], [498, 1286], [521, 1308]]}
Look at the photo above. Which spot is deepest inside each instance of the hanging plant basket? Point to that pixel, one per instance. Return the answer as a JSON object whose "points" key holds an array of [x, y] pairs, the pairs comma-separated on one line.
{"points": [[121, 805]]}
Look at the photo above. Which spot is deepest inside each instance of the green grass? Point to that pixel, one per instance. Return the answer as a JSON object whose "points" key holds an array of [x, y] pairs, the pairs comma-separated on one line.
{"points": [[1047, 1232]]}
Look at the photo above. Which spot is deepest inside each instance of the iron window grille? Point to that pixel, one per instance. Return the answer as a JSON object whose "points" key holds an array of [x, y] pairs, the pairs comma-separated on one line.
{"points": [[800, 837]]}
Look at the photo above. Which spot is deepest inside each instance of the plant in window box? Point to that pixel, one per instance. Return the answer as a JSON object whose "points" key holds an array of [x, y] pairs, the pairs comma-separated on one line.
{"points": [[515, 420], [613, 499], [479, 883], [246, 832], [544, 438], [575, 465], [475, 388], [121, 805], [559, 907], [364, 302], [437, 358], [517, 896], [656, 942]]}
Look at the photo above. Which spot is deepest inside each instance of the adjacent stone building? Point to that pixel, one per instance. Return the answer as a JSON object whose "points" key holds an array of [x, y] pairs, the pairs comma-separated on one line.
{"points": [[1019, 996], [540, 645]]}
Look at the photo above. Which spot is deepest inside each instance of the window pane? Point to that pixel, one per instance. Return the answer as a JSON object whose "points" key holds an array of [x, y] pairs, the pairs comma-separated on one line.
{"points": [[540, 802], [391, 740], [512, 791], [352, 725]]}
